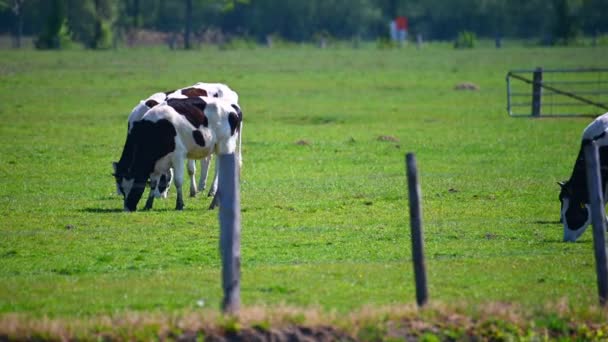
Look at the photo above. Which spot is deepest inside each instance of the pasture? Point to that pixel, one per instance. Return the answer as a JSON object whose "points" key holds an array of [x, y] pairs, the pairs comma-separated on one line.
{"points": [[324, 201]]}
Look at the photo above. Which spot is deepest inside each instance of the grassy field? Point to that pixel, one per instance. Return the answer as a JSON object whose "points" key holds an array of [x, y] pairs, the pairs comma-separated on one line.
{"points": [[325, 221]]}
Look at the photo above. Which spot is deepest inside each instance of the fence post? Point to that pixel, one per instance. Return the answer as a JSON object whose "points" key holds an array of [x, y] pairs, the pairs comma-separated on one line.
{"points": [[230, 232], [416, 228], [598, 217], [537, 92]]}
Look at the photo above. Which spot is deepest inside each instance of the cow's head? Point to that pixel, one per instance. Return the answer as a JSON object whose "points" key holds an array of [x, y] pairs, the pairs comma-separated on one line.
{"points": [[126, 186], [574, 211], [133, 190]]}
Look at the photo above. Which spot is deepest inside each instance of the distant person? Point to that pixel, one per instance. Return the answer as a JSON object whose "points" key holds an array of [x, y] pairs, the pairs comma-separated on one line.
{"points": [[401, 24], [393, 30]]}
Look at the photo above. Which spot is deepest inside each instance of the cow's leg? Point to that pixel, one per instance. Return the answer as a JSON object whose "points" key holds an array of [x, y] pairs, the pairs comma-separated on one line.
{"points": [[191, 171], [215, 201], [213, 189], [150, 200], [153, 192], [178, 168], [202, 182]]}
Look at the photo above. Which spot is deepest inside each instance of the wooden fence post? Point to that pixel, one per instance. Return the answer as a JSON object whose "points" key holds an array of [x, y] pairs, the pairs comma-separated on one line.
{"points": [[416, 229], [230, 233], [598, 217], [537, 92]]}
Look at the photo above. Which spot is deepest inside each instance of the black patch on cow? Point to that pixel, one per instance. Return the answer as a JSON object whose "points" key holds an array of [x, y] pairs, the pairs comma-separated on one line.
{"points": [[576, 215], [151, 103], [239, 114], [151, 141], [198, 138], [234, 121], [194, 92], [134, 196], [163, 182], [193, 109]]}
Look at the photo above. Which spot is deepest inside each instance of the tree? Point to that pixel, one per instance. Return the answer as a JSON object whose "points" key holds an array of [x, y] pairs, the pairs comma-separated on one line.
{"points": [[188, 28], [55, 33], [91, 22], [566, 27]]}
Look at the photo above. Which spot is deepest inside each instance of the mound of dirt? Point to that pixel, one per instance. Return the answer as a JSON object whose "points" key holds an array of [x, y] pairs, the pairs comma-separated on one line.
{"points": [[466, 86]]}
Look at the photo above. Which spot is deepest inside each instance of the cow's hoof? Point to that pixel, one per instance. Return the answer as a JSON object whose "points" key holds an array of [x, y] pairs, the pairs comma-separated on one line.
{"points": [[192, 194], [214, 202]]}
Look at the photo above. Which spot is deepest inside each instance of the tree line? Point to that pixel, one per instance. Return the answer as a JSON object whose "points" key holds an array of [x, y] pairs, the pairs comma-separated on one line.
{"points": [[99, 24]]}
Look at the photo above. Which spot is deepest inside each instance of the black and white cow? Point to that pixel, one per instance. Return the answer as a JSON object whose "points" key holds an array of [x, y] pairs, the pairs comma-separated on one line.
{"points": [[170, 133], [574, 196], [217, 90]]}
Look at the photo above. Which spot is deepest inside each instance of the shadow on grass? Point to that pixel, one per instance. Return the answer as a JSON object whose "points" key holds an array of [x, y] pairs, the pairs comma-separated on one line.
{"points": [[101, 210], [110, 198], [547, 222], [120, 210]]}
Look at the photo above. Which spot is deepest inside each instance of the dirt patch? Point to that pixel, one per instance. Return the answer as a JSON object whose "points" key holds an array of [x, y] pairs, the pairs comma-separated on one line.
{"points": [[389, 138], [289, 334], [466, 86], [303, 142]]}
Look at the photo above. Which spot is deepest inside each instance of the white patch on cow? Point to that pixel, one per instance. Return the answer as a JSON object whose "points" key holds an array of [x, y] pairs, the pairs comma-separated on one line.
{"points": [[569, 234]]}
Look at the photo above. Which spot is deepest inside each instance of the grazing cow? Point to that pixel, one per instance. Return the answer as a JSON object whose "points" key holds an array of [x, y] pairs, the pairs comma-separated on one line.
{"points": [[574, 196], [217, 90], [171, 132]]}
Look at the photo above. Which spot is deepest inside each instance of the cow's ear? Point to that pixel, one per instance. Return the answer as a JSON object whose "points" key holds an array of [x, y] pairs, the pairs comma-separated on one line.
{"points": [[561, 184]]}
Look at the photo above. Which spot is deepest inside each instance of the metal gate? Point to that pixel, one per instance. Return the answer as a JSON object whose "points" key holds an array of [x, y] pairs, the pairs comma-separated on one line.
{"points": [[557, 92]]}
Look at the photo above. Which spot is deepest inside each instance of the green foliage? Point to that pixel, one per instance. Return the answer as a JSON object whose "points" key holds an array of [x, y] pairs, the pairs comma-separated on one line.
{"points": [[55, 33], [231, 325], [372, 332], [465, 40], [567, 24], [103, 35], [555, 21], [602, 40], [91, 22], [239, 43]]}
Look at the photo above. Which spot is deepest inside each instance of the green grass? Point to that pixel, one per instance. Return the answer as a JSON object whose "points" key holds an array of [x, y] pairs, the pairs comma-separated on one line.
{"points": [[324, 224]]}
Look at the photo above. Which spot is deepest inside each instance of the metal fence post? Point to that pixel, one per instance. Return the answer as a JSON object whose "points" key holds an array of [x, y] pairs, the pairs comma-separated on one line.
{"points": [[598, 216], [416, 228], [230, 233], [537, 92]]}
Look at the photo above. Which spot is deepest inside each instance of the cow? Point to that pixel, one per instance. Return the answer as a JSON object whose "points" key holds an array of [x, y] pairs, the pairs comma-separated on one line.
{"points": [[171, 132], [575, 213], [217, 90]]}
